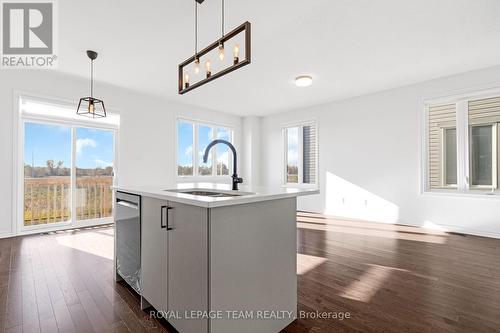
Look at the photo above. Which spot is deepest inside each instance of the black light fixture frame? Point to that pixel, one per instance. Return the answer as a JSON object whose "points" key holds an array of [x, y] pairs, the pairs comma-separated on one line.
{"points": [[91, 100], [245, 27], [94, 101]]}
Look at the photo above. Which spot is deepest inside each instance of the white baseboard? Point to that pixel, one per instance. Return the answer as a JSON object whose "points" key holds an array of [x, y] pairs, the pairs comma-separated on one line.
{"points": [[6, 234], [55, 228], [472, 232]]}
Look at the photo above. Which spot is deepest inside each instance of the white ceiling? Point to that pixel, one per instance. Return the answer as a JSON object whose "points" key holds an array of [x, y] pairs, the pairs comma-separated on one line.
{"points": [[350, 47]]}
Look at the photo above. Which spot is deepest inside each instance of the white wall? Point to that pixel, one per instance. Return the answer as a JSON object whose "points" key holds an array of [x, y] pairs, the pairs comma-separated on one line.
{"points": [[251, 150], [369, 159], [147, 148]]}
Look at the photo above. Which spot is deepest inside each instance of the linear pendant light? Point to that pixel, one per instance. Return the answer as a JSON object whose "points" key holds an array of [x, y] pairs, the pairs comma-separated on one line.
{"points": [[189, 80], [89, 106]]}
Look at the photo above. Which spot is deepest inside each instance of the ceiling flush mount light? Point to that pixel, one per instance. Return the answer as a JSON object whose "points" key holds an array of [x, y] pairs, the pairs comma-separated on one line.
{"points": [[221, 65], [303, 81], [90, 106]]}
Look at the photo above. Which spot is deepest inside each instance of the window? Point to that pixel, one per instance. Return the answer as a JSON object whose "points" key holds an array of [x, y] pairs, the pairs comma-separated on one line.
{"points": [[442, 146], [185, 148], [68, 167], [94, 160], [47, 174], [205, 136], [292, 155], [450, 156], [300, 154], [192, 140], [223, 152], [481, 155], [484, 119], [474, 164]]}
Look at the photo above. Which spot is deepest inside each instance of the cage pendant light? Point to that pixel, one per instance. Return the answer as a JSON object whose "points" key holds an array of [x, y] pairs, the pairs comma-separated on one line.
{"points": [[191, 76], [89, 106]]}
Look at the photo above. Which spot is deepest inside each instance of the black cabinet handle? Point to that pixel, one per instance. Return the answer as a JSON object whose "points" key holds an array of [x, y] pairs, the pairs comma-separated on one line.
{"points": [[164, 223], [163, 219], [168, 219]]}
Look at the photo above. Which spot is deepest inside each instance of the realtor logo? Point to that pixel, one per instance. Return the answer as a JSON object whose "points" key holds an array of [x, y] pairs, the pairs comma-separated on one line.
{"points": [[28, 34]]}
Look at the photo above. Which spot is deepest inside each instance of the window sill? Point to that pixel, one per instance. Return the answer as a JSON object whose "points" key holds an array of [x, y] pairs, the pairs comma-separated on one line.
{"points": [[464, 194], [203, 179], [302, 186]]}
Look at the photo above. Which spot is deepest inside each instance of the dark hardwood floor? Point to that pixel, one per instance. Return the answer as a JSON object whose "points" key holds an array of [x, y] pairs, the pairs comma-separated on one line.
{"points": [[388, 278]]}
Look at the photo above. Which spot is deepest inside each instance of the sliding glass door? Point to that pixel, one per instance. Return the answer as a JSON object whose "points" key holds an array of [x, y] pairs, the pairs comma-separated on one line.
{"points": [[94, 173], [68, 174], [47, 174]]}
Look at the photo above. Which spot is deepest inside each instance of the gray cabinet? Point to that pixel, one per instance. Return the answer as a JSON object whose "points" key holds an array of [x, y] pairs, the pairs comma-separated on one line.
{"points": [[188, 265], [154, 250], [175, 260]]}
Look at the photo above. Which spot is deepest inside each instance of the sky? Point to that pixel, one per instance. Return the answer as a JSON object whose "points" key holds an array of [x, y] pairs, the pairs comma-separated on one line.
{"points": [[185, 142], [94, 148]]}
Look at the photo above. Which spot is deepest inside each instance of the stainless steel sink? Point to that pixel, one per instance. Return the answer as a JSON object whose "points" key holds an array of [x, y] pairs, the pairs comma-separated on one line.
{"points": [[210, 193]]}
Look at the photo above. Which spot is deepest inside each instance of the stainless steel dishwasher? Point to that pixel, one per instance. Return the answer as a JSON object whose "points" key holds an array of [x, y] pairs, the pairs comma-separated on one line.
{"points": [[128, 239]]}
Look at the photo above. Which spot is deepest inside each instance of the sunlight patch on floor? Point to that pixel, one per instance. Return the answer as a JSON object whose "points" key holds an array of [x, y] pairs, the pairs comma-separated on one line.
{"points": [[305, 263], [368, 284], [405, 271], [93, 242], [395, 234]]}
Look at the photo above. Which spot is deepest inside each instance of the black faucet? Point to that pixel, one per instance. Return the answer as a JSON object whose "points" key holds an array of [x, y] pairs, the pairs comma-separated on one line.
{"points": [[236, 179]]}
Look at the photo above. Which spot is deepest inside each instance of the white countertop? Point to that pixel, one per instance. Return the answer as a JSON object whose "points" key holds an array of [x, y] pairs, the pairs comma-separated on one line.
{"points": [[255, 193]]}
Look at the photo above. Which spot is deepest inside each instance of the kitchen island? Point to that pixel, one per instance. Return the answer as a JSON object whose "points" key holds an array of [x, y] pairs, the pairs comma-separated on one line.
{"points": [[216, 260]]}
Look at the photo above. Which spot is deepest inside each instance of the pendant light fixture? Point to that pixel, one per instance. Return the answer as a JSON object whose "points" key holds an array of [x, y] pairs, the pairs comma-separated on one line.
{"points": [[189, 81], [89, 106]]}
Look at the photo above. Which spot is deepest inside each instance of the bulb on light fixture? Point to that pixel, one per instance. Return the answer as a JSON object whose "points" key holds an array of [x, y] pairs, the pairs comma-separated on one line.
{"points": [[221, 51], [186, 80], [91, 107], [197, 65], [303, 81], [207, 67], [236, 54]]}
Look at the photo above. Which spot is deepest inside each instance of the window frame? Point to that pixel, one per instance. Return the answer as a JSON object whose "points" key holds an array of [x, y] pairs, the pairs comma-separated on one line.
{"points": [[19, 122], [196, 124], [463, 187], [300, 162]]}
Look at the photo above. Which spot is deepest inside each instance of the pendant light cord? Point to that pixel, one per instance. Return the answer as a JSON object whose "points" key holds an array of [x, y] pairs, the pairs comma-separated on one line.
{"points": [[91, 78], [195, 29], [223, 16]]}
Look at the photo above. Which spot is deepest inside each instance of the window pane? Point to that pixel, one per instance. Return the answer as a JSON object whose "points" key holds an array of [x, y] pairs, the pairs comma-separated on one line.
{"points": [[94, 173], [184, 149], [441, 148], [450, 149], [47, 174], [292, 166], [483, 140], [481, 155], [223, 152], [309, 148], [205, 136]]}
